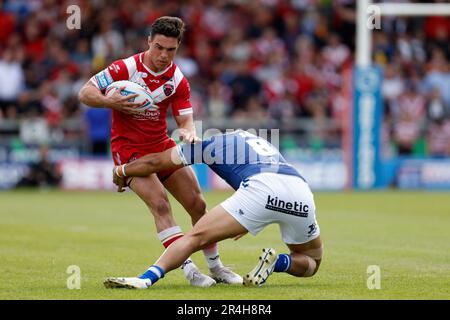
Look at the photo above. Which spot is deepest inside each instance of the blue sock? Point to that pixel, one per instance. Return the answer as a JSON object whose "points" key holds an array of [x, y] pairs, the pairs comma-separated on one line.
{"points": [[154, 273], [283, 263]]}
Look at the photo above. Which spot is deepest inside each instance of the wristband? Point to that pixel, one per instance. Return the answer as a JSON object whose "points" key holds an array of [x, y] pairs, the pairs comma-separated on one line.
{"points": [[116, 171]]}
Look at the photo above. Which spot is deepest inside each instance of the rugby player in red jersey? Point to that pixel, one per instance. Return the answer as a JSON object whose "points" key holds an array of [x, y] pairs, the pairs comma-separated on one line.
{"points": [[134, 134]]}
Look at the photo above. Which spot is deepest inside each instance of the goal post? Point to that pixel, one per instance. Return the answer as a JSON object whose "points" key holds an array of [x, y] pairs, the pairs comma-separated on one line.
{"points": [[414, 9], [364, 164], [367, 10]]}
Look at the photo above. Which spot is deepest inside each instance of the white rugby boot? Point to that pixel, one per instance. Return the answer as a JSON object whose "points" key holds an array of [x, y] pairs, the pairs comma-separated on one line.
{"points": [[127, 283], [263, 269], [198, 279], [225, 275]]}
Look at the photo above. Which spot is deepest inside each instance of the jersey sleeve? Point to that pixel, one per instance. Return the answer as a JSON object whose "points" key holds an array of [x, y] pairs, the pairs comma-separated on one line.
{"points": [[181, 105], [116, 71], [191, 153]]}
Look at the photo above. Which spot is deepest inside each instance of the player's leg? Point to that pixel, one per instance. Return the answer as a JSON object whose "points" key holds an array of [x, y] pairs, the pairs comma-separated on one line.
{"points": [[152, 192], [303, 240], [304, 259], [217, 225], [183, 185], [291, 205]]}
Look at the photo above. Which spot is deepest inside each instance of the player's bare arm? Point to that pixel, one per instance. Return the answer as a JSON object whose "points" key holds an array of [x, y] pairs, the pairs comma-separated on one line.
{"points": [[148, 164], [93, 97], [186, 128]]}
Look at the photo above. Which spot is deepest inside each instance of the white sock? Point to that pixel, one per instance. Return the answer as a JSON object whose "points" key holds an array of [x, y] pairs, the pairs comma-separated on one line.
{"points": [[212, 256]]}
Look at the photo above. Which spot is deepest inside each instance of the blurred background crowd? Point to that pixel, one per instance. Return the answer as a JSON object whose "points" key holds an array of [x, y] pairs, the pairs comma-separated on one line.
{"points": [[266, 61]]}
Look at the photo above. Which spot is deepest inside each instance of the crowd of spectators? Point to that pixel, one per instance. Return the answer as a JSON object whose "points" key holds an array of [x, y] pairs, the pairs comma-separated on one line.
{"points": [[259, 60]]}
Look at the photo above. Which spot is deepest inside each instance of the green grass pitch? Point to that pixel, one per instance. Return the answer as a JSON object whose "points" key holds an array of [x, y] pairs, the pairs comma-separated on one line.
{"points": [[405, 234]]}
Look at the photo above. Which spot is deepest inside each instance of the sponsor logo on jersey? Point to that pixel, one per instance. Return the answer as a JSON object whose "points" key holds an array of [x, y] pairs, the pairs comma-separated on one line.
{"points": [[104, 79], [153, 115], [114, 68], [168, 89], [293, 208]]}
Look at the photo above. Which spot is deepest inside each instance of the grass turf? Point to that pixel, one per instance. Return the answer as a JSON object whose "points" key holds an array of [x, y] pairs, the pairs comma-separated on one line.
{"points": [[42, 233]]}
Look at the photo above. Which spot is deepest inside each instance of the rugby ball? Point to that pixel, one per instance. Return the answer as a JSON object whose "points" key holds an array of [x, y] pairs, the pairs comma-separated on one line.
{"points": [[144, 97]]}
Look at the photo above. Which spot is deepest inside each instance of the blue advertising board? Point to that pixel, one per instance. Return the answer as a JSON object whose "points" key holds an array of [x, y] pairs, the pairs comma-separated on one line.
{"points": [[431, 174]]}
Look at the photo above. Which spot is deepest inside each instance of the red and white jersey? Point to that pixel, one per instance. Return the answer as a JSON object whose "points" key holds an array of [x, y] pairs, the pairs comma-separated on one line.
{"points": [[411, 108], [168, 88], [439, 139], [409, 118]]}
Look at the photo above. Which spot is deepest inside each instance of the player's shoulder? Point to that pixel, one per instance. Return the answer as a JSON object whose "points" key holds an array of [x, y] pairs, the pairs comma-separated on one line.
{"points": [[137, 59], [129, 64], [134, 61], [178, 74]]}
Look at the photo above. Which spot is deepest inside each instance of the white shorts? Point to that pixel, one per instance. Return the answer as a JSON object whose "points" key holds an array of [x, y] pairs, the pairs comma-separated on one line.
{"points": [[268, 198]]}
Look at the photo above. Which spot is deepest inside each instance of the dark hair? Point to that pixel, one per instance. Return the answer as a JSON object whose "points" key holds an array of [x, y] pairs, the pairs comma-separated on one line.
{"points": [[172, 27]]}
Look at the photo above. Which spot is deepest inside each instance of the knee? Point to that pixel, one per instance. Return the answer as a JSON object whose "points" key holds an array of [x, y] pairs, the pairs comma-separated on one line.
{"points": [[313, 257], [197, 240], [312, 268], [305, 267]]}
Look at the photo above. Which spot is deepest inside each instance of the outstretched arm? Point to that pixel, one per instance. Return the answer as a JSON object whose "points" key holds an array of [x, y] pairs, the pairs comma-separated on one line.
{"points": [[148, 164], [186, 128]]}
